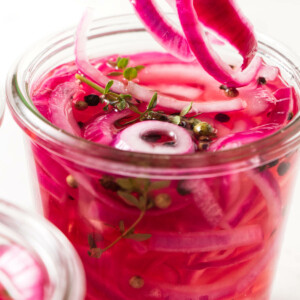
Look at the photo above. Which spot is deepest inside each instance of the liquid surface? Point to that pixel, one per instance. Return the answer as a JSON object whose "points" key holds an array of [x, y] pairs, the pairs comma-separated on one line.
{"points": [[237, 116]]}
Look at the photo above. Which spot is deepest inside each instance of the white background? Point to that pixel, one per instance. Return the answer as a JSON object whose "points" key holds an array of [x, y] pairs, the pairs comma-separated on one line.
{"points": [[24, 22]]}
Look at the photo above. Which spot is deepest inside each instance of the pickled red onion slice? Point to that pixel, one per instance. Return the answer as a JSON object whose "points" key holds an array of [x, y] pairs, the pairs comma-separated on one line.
{"points": [[20, 274], [269, 188], [162, 30], [223, 20], [205, 201], [206, 56], [203, 107], [102, 129], [134, 89], [228, 22], [238, 139], [206, 240], [184, 91], [134, 138], [60, 107], [280, 113]]}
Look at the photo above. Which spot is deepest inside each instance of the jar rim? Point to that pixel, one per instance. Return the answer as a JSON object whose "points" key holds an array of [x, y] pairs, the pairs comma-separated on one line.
{"points": [[45, 242], [239, 158]]}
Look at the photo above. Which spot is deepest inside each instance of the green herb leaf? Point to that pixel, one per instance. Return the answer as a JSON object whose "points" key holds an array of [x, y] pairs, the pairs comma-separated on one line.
{"points": [[122, 226], [105, 108], [125, 97], [139, 67], [130, 73], [175, 119], [108, 86], [115, 74], [157, 185], [140, 237], [129, 199], [122, 104], [125, 183], [153, 102], [140, 184], [131, 231], [135, 109], [122, 62], [143, 202], [186, 110], [91, 241]]}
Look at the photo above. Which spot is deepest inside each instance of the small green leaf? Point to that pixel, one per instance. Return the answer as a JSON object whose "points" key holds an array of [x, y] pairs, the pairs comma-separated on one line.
{"points": [[140, 237], [135, 109], [131, 231], [122, 62], [140, 184], [143, 202], [108, 86], [186, 110], [122, 105], [122, 226], [125, 96], [115, 74], [153, 102], [139, 68], [129, 199], [130, 73], [125, 183], [91, 241], [175, 119], [105, 108], [157, 185]]}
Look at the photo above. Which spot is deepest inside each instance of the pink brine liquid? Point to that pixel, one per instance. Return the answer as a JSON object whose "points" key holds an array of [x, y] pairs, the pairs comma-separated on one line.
{"points": [[144, 238]]}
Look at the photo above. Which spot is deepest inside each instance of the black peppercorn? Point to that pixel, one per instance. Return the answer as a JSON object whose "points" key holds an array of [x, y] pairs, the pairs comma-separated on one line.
{"points": [[283, 168], [80, 124], [223, 118], [92, 100], [262, 80], [108, 182]]}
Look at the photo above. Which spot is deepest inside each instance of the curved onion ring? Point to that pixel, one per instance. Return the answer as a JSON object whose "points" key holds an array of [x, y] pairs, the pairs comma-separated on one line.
{"points": [[131, 138], [206, 240], [238, 31], [60, 107], [132, 88], [171, 39], [206, 56]]}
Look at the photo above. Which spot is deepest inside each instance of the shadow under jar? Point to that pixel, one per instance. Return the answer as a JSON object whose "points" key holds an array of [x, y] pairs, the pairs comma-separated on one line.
{"points": [[216, 230]]}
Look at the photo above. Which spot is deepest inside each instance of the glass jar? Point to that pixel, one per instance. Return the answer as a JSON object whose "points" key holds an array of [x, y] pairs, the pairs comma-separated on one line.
{"points": [[36, 260], [215, 230]]}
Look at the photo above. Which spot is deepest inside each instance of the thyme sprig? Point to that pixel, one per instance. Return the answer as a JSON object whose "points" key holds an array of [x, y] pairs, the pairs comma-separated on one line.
{"points": [[134, 192], [119, 101], [121, 64], [122, 101]]}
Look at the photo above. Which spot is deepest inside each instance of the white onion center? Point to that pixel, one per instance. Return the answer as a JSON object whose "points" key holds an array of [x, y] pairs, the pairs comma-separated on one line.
{"points": [[144, 136]]}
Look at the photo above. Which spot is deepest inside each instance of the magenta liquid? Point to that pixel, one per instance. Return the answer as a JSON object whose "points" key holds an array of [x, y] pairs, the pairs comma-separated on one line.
{"points": [[144, 238]]}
